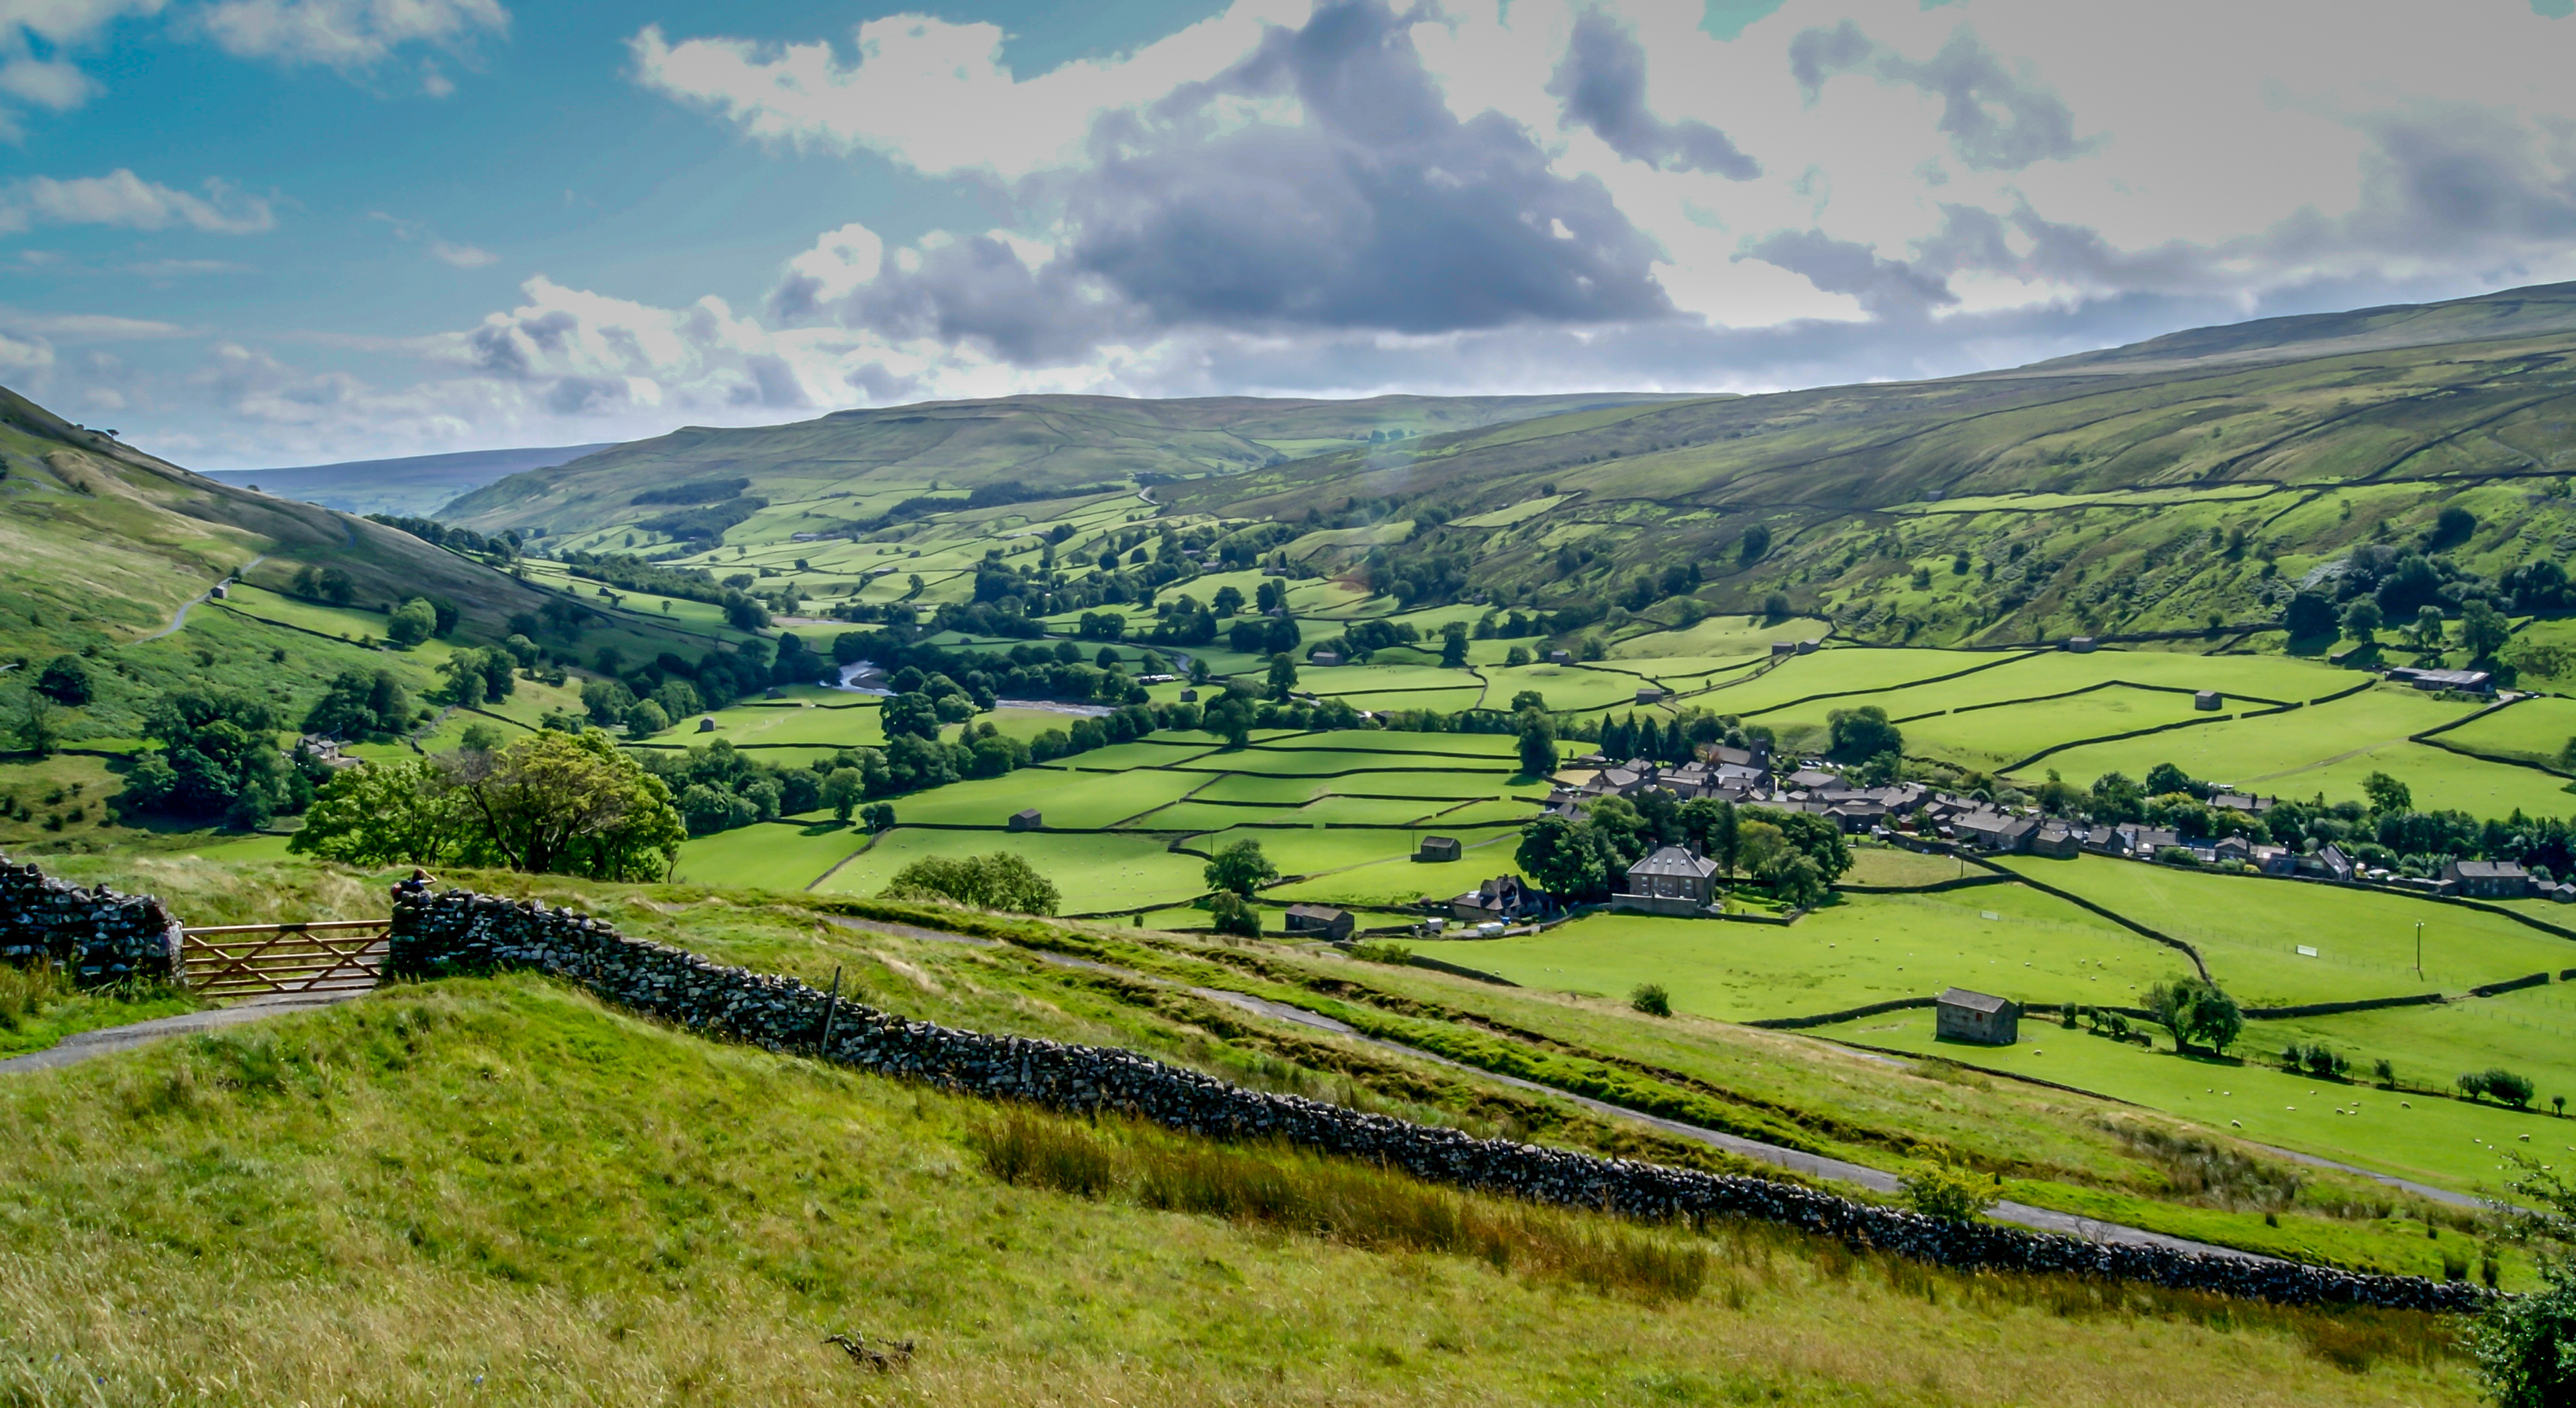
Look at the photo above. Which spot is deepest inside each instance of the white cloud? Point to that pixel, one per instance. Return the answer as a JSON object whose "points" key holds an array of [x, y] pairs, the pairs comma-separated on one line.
{"points": [[346, 34], [121, 198], [462, 256], [28, 79]]}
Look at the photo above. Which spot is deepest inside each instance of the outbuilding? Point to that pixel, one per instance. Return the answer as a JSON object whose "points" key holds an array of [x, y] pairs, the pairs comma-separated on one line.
{"points": [[1027, 819], [2207, 701], [1319, 921], [2488, 879], [1961, 1015], [1439, 848], [707, 725]]}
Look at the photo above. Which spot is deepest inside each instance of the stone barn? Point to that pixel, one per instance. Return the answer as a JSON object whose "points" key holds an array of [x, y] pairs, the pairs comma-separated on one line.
{"points": [[1439, 848], [1319, 921], [1962, 1015], [1026, 819]]}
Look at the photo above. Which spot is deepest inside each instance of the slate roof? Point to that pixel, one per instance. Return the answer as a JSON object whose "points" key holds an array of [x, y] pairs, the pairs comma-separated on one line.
{"points": [[1676, 861], [1973, 1001]]}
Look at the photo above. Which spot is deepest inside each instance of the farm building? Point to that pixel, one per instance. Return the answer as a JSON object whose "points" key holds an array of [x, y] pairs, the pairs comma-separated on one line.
{"points": [[1026, 819], [1503, 898], [1439, 848], [2207, 700], [1674, 881], [1328, 659], [2328, 861], [1560, 657], [1783, 648], [1319, 921], [707, 725], [2056, 840], [1995, 831], [2081, 645], [2488, 879], [1649, 694], [2466, 681], [1961, 1015]]}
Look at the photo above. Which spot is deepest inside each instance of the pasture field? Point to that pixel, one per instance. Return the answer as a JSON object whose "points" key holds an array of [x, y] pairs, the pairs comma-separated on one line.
{"points": [[1568, 688], [2291, 752], [850, 725], [2530, 730], [776, 855], [1078, 800], [1095, 873], [2444, 1142], [1863, 949], [1717, 636], [1315, 850], [1894, 865], [2000, 735], [1838, 672], [2249, 929]]}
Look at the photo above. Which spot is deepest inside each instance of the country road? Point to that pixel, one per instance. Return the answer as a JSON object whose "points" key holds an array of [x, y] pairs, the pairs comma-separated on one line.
{"points": [[181, 619]]}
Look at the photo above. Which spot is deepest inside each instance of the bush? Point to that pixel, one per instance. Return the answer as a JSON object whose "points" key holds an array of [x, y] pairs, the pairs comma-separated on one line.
{"points": [[1947, 1192], [1651, 999], [1396, 955], [1000, 880], [1233, 914], [2526, 1344], [2504, 1086]]}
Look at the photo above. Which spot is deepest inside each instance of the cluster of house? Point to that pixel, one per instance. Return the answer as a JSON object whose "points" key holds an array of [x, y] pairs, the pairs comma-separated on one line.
{"points": [[1745, 776]]}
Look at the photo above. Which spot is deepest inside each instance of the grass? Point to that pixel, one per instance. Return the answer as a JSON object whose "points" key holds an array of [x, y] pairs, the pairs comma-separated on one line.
{"points": [[39, 1007], [2292, 753], [2249, 929], [2534, 730], [779, 855], [1067, 799], [497, 1190], [1094, 873]]}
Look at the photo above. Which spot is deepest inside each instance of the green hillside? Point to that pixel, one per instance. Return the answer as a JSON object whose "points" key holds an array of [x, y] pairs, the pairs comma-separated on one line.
{"points": [[852, 465], [2144, 488]]}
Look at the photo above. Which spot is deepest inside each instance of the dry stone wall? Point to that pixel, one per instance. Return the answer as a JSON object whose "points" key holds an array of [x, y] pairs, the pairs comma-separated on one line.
{"points": [[459, 932], [99, 935]]}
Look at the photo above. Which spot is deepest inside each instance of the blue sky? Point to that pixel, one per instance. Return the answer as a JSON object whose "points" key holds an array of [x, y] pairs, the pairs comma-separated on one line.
{"points": [[260, 232]]}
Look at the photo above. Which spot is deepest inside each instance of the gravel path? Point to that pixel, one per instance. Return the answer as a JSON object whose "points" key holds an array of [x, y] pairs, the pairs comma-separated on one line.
{"points": [[182, 618], [82, 1046]]}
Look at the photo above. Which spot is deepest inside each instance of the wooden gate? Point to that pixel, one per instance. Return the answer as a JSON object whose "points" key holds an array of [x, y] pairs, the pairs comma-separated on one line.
{"points": [[255, 960]]}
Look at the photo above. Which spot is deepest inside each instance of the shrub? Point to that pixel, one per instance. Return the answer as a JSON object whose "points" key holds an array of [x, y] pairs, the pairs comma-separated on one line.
{"points": [[1947, 1192], [1000, 880], [1233, 914], [1651, 999], [1377, 952], [2504, 1086]]}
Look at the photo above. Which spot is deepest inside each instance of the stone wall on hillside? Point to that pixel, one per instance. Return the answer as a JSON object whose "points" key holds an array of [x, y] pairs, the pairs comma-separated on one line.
{"points": [[99, 935], [459, 932]]}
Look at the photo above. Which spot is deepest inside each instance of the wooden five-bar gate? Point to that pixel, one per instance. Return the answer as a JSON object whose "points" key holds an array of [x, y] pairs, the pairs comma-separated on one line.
{"points": [[257, 960]]}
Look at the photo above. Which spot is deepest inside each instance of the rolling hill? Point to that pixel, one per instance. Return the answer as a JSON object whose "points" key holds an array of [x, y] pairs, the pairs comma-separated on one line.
{"points": [[852, 464], [2148, 487], [411, 486]]}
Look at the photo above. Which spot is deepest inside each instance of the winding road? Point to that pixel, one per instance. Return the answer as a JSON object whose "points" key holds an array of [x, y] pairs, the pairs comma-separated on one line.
{"points": [[181, 619]]}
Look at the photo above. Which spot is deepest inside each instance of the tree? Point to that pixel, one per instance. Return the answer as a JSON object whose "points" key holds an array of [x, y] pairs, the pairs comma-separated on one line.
{"points": [[1757, 542], [1231, 719], [1794, 879], [2526, 1344], [1228, 601], [2387, 794], [1775, 607], [468, 682], [1709, 824], [1651, 999], [2360, 620], [411, 623], [479, 737], [2309, 616], [1814, 837], [878, 817], [1283, 676], [607, 701], [913, 713], [2196, 1010], [1453, 646], [1863, 733], [2115, 798], [571, 803], [1525, 700], [2166, 780], [374, 814], [1563, 858], [65, 680], [1000, 880], [1241, 868], [1233, 914], [645, 718], [1537, 745], [843, 788], [2429, 628], [361, 704], [2484, 630], [38, 725], [218, 757]]}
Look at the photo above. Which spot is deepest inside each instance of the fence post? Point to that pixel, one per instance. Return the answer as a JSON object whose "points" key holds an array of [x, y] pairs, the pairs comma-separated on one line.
{"points": [[831, 1010]]}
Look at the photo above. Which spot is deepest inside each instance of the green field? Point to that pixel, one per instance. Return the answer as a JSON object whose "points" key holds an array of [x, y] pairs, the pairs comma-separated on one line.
{"points": [[768, 856], [1094, 873]]}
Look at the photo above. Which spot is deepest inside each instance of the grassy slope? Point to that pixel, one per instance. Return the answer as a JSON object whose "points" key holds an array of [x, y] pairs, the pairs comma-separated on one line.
{"points": [[495, 1191], [2306, 433], [859, 458]]}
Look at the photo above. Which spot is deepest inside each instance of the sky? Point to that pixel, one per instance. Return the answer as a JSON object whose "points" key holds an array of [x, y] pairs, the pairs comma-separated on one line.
{"points": [[253, 233]]}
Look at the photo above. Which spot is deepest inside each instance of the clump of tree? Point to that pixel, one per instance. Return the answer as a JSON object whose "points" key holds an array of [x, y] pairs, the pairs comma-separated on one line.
{"points": [[218, 757], [1001, 880], [2196, 1011], [1797, 855], [363, 706], [2498, 1084], [1939, 1189], [552, 802], [2316, 1059], [1230, 913], [1239, 868]]}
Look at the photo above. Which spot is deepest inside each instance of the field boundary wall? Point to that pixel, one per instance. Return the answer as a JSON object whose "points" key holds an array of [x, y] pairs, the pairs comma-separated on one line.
{"points": [[100, 936], [461, 932]]}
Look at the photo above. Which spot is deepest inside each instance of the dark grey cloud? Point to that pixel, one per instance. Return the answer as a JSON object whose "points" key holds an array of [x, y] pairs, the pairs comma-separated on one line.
{"points": [[1998, 117], [1602, 85], [1886, 288], [1382, 211]]}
